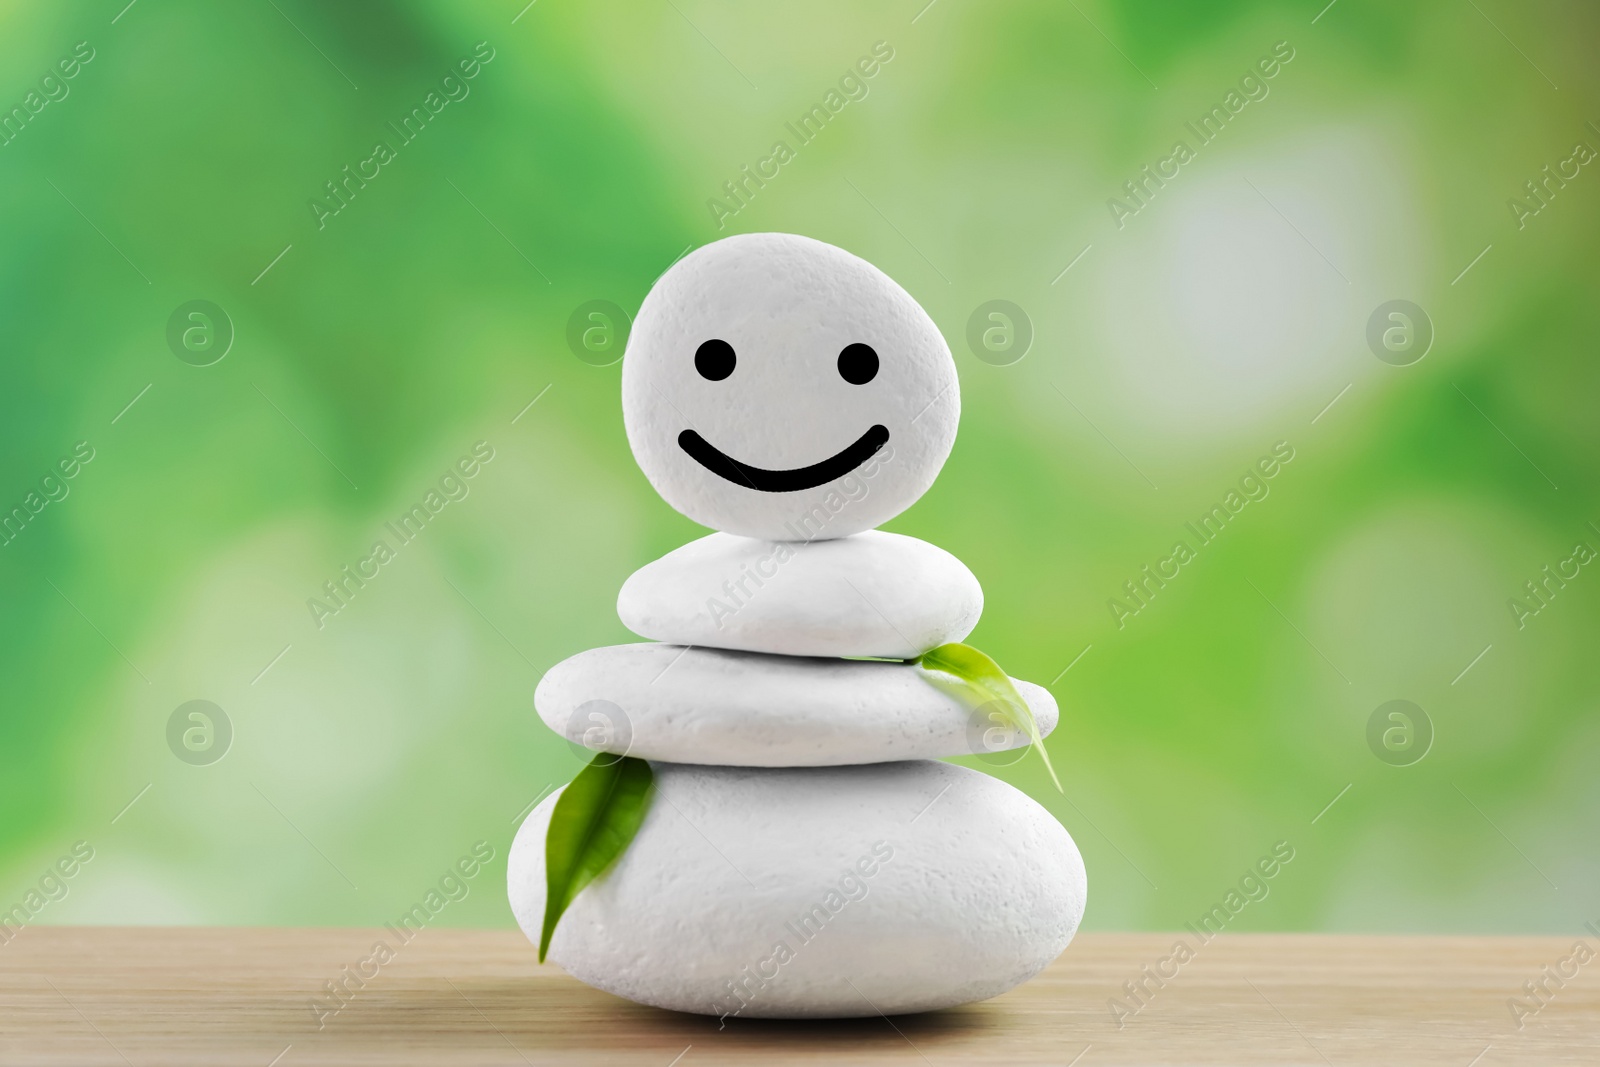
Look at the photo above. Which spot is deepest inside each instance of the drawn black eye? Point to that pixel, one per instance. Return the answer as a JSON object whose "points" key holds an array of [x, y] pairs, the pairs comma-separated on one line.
{"points": [[714, 360], [858, 364]]}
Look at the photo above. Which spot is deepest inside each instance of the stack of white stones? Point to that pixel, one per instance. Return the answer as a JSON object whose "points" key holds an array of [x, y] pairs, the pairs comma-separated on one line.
{"points": [[804, 854]]}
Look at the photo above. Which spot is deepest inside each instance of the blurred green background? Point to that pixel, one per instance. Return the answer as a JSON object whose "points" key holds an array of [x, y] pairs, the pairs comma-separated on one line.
{"points": [[1229, 313]]}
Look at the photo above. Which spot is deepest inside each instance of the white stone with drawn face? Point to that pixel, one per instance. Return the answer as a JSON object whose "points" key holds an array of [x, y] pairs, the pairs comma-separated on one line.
{"points": [[778, 387]]}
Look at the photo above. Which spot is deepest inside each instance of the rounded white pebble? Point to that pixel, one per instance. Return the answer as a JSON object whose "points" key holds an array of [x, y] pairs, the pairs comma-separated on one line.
{"points": [[811, 437], [741, 709], [874, 594], [826, 892]]}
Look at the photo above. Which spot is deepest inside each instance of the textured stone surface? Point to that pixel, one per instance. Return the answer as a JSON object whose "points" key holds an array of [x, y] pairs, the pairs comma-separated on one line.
{"points": [[788, 306], [822, 892], [663, 702], [873, 594]]}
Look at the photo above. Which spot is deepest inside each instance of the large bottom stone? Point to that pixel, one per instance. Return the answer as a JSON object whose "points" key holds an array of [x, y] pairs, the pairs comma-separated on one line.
{"points": [[817, 892]]}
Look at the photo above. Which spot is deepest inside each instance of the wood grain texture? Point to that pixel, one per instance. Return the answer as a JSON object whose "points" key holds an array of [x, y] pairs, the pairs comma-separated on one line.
{"points": [[221, 997]]}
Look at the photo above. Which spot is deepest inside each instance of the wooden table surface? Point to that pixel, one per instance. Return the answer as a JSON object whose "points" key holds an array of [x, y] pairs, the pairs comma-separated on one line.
{"points": [[178, 996]]}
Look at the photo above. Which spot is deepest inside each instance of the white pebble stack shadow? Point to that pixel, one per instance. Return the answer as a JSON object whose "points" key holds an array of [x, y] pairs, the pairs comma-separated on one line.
{"points": [[804, 854]]}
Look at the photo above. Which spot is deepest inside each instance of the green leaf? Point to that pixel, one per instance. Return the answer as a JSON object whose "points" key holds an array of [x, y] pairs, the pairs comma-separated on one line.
{"points": [[983, 682], [594, 820]]}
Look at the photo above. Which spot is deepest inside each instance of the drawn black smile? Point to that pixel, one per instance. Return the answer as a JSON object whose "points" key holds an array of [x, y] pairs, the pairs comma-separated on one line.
{"points": [[723, 465]]}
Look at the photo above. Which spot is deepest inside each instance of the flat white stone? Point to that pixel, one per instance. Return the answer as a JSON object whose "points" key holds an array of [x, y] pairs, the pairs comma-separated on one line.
{"points": [[874, 594], [742, 709], [778, 429], [823, 892]]}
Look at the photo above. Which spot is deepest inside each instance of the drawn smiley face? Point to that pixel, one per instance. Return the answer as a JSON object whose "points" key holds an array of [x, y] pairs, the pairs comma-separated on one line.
{"points": [[778, 387]]}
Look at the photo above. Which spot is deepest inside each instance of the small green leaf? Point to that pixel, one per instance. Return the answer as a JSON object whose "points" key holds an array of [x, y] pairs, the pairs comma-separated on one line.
{"points": [[594, 820], [983, 682]]}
